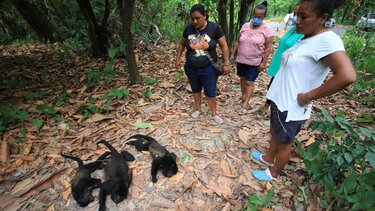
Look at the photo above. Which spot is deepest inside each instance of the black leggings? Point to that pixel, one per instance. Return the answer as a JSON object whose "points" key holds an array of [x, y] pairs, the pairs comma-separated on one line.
{"points": [[268, 87]]}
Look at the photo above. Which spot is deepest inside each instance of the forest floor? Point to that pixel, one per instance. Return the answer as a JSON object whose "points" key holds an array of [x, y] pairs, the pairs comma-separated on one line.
{"points": [[214, 162]]}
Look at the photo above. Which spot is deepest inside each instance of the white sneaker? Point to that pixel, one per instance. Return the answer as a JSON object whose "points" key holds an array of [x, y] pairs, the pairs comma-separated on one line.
{"points": [[195, 114], [217, 119]]}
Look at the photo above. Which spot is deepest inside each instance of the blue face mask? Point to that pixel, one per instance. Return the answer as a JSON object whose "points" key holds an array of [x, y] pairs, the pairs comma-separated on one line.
{"points": [[294, 19], [256, 21]]}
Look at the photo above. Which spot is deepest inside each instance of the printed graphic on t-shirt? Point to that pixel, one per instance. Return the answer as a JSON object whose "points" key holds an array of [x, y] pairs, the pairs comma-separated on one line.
{"points": [[196, 43]]}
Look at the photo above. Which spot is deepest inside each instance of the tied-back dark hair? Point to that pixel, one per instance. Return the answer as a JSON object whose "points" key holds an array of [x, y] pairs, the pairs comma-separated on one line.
{"points": [[263, 6], [200, 8], [325, 6]]}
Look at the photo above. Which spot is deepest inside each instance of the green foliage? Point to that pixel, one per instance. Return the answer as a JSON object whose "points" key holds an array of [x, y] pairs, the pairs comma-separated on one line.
{"points": [[354, 45], [34, 95], [38, 123], [117, 93], [91, 108], [150, 80], [71, 44], [185, 157], [8, 115], [360, 47], [147, 93], [343, 162], [22, 135], [46, 109], [367, 118], [143, 125], [59, 118], [62, 98], [28, 40], [108, 73], [260, 201], [93, 78], [179, 75]]}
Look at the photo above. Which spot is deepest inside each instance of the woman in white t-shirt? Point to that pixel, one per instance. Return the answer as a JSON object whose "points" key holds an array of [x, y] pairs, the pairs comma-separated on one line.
{"points": [[299, 81]]}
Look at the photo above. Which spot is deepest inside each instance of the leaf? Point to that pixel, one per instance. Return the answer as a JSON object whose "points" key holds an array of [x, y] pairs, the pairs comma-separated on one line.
{"points": [[185, 156], [350, 183], [371, 158], [142, 125], [38, 123], [112, 52], [147, 93], [150, 81], [225, 167], [97, 118], [348, 157], [4, 152], [365, 132], [46, 109]]}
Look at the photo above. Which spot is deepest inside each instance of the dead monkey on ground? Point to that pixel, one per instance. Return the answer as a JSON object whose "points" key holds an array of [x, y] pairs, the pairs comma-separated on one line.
{"points": [[82, 184], [117, 176], [161, 157]]}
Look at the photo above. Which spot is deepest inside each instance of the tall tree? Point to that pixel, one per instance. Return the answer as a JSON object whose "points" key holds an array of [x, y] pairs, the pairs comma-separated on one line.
{"points": [[37, 19], [222, 12], [126, 15], [98, 33], [244, 9], [231, 23]]}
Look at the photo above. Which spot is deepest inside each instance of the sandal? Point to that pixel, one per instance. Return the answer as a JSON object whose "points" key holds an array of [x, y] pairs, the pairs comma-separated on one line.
{"points": [[217, 119], [195, 114], [257, 157], [263, 175]]}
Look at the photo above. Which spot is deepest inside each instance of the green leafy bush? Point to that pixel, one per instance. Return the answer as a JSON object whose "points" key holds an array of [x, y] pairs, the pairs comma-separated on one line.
{"points": [[150, 80], [117, 93], [343, 161], [46, 109], [360, 46], [260, 201], [8, 115]]}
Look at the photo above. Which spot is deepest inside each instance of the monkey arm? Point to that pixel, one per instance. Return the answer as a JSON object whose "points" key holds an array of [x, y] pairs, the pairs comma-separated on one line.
{"points": [[156, 162]]}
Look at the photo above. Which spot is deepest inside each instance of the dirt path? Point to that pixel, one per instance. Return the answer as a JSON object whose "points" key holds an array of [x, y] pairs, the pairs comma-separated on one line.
{"points": [[214, 163]]}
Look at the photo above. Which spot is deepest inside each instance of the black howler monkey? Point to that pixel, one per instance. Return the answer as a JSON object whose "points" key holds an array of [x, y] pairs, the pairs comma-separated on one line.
{"points": [[82, 184], [161, 157], [117, 176]]}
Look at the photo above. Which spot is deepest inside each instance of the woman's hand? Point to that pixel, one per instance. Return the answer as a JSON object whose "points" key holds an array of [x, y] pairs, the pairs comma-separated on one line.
{"points": [[231, 58], [177, 65], [303, 99], [226, 69], [261, 67]]}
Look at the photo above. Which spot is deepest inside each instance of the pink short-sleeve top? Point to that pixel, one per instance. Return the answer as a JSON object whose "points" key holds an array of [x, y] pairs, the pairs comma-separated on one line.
{"points": [[251, 44]]}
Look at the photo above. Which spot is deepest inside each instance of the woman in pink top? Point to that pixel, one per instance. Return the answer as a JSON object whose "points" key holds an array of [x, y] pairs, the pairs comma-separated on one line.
{"points": [[253, 48]]}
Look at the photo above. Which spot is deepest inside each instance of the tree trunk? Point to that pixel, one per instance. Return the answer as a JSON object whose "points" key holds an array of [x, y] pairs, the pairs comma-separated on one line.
{"points": [[242, 14], [98, 34], [126, 15], [231, 23], [37, 20], [222, 11]]}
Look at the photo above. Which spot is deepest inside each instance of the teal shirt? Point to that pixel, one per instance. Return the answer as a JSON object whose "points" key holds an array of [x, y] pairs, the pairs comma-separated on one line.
{"points": [[287, 41]]}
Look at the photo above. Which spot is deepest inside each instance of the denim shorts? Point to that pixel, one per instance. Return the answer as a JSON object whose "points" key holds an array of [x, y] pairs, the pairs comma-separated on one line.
{"points": [[247, 71], [284, 132], [205, 78]]}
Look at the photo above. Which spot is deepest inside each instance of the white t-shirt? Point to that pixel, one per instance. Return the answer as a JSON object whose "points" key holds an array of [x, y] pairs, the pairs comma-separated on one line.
{"points": [[301, 71]]}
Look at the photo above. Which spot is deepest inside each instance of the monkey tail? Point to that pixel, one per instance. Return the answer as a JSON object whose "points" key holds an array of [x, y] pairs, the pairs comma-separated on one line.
{"points": [[109, 146], [79, 161], [141, 142]]}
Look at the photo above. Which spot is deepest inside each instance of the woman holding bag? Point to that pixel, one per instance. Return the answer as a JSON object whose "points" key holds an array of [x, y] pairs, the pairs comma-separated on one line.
{"points": [[200, 39]]}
